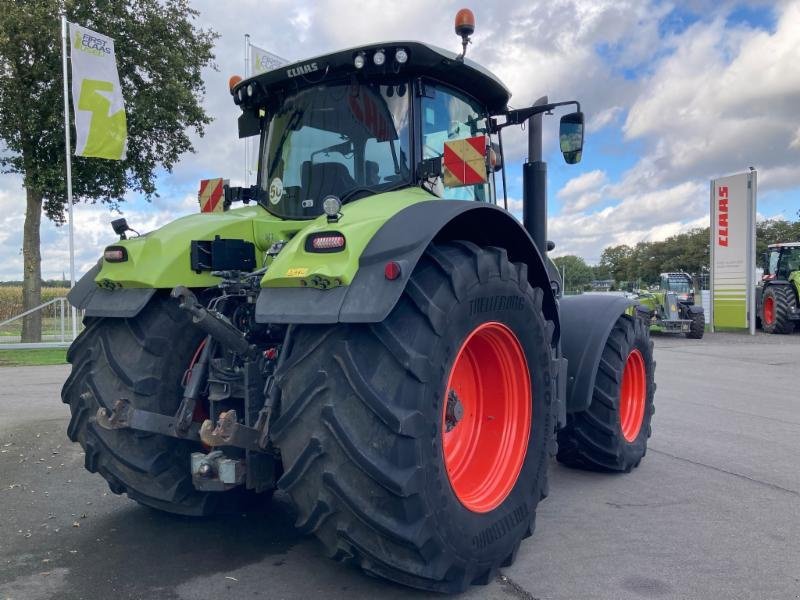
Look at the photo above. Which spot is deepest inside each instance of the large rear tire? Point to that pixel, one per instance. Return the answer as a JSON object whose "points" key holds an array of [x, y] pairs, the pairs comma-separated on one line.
{"points": [[378, 423], [142, 359], [776, 308], [612, 434]]}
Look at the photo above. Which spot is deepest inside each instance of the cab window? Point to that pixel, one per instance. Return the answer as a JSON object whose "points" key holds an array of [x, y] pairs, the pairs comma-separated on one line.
{"points": [[449, 115]]}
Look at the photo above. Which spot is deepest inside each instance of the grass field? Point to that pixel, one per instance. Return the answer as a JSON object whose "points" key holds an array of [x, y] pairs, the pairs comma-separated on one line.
{"points": [[25, 358]]}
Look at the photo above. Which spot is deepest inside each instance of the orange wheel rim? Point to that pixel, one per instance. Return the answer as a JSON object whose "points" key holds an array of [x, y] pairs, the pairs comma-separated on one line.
{"points": [[769, 310], [632, 396], [486, 417]]}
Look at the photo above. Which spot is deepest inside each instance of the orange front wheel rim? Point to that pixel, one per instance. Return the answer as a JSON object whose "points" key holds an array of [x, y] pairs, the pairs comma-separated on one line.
{"points": [[486, 417], [632, 396]]}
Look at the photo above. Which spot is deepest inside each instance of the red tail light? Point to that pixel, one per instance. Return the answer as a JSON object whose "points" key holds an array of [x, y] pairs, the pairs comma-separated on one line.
{"points": [[392, 270]]}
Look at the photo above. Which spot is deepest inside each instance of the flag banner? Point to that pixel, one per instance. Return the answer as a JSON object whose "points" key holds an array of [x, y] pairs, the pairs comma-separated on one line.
{"points": [[100, 125], [262, 61]]}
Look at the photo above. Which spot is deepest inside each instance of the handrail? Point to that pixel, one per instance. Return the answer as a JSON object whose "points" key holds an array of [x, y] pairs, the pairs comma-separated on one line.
{"points": [[33, 310]]}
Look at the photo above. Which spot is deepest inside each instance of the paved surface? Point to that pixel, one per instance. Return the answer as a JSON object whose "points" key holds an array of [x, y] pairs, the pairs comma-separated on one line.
{"points": [[713, 512]]}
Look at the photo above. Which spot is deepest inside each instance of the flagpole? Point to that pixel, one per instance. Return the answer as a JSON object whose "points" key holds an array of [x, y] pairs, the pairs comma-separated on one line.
{"points": [[68, 146], [246, 140]]}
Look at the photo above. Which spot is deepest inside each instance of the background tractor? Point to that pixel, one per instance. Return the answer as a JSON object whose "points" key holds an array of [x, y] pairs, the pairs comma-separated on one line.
{"points": [[671, 308], [778, 293], [370, 334]]}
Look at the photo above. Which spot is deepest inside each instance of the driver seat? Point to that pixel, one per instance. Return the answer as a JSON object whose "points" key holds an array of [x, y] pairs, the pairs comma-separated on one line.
{"points": [[321, 179]]}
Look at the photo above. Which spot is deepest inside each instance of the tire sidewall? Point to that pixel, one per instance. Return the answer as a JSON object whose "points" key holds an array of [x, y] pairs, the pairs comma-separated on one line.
{"points": [[492, 534]]}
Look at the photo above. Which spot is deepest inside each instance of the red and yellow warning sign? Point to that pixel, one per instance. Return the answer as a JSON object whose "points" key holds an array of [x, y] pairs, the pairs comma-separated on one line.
{"points": [[464, 161], [211, 195]]}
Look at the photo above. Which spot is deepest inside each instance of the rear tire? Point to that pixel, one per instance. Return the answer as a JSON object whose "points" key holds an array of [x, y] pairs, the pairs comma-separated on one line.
{"points": [[612, 434], [142, 359], [776, 307], [697, 327], [362, 426]]}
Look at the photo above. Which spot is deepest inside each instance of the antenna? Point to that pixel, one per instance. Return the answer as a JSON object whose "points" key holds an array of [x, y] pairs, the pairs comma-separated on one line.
{"points": [[465, 27]]}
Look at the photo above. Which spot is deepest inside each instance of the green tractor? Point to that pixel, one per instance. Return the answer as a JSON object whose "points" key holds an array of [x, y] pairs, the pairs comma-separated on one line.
{"points": [[370, 334], [672, 309], [778, 293]]}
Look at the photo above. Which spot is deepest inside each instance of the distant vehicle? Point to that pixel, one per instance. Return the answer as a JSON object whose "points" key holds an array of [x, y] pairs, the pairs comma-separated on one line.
{"points": [[778, 293], [672, 308]]}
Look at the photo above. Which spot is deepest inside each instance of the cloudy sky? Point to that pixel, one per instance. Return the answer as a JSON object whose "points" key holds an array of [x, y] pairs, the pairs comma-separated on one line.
{"points": [[675, 93]]}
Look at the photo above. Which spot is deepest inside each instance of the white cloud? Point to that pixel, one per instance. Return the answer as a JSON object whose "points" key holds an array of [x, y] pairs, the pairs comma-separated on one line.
{"points": [[725, 99], [710, 100]]}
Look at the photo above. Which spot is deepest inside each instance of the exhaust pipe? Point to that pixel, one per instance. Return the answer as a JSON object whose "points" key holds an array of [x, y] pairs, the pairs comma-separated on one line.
{"points": [[534, 184]]}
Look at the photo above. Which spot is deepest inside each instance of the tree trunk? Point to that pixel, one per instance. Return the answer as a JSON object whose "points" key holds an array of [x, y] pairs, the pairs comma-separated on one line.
{"points": [[32, 267]]}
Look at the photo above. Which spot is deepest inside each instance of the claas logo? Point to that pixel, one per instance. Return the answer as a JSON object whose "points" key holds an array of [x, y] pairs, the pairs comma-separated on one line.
{"points": [[722, 216]]}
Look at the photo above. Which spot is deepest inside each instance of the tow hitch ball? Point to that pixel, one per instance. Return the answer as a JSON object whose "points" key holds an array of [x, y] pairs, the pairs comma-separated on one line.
{"points": [[213, 472]]}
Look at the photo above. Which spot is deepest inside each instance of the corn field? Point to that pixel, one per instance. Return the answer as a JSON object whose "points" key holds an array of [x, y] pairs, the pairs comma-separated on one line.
{"points": [[11, 299]]}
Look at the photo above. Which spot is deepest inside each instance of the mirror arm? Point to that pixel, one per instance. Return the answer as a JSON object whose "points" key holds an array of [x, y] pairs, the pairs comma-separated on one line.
{"points": [[520, 115]]}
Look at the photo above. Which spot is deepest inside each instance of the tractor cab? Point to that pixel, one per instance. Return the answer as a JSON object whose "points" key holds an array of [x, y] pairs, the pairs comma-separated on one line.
{"points": [[378, 118], [680, 284], [781, 260]]}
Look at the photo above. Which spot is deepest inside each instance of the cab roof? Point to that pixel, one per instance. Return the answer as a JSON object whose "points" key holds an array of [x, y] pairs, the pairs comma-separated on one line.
{"points": [[785, 245], [424, 60]]}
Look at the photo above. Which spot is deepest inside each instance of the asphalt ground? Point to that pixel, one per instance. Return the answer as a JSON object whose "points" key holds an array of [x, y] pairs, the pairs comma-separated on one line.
{"points": [[712, 512]]}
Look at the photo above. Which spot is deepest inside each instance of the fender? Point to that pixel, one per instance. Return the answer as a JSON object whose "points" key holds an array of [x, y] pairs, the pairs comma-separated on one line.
{"points": [[403, 238], [102, 302], [586, 322]]}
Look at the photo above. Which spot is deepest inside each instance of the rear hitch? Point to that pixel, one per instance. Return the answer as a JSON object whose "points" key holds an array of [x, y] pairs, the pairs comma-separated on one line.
{"points": [[229, 432], [124, 416]]}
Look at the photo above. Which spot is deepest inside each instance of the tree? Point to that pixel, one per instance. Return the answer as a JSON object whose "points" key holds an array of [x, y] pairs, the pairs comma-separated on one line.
{"points": [[160, 53], [578, 273], [773, 231], [616, 260]]}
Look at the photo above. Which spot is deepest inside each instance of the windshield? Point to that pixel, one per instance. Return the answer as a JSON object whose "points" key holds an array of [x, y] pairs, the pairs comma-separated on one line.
{"points": [[333, 140], [680, 285], [788, 262]]}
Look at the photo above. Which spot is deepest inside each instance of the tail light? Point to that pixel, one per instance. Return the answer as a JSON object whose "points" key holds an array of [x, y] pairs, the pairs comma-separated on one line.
{"points": [[115, 254], [328, 241]]}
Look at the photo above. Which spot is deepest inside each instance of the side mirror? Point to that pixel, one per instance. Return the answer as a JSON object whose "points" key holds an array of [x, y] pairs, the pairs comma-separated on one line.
{"points": [[570, 136]]}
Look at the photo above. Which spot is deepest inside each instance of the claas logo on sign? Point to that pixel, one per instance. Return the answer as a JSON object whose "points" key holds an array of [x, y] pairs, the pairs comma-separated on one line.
{"points": [[464, 162], [722, 215]]}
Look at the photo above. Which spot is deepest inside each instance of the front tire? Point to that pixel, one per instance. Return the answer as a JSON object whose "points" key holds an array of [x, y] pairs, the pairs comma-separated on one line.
{"points": [[369, 411], [612, 434], [776, 308], [697, 327]]}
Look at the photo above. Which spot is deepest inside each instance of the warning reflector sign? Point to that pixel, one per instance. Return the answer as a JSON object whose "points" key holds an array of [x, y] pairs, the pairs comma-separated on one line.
{"points": [[210, 195], [464, 162]]}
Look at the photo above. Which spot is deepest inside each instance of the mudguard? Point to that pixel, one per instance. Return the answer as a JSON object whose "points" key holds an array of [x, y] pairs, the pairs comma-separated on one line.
{"points": [[586, 322], [403, 238], [103, 302]]}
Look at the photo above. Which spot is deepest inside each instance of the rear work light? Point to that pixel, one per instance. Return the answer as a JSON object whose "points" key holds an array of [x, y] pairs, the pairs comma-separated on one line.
{"points": [[115, 254], [328, 241]]}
